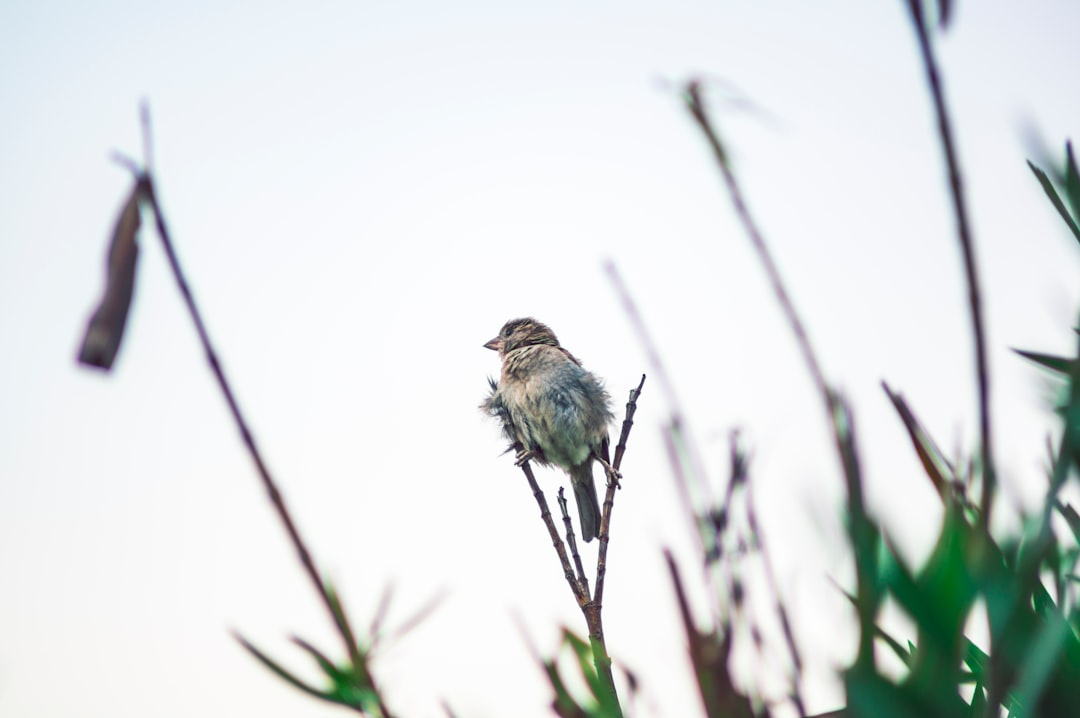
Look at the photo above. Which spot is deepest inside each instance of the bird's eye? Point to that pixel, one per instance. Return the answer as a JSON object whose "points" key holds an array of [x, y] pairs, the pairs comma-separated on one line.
{"points": [[507, 332]]}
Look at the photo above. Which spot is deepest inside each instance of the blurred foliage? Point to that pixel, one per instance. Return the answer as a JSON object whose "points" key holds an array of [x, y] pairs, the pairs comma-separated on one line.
{"points": [[600, 702], [1025, 580]]}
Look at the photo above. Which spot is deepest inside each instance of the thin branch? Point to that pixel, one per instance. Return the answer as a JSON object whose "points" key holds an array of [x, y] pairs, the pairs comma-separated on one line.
{"points": [[421, 614], [575, 574], [146, 187], [697, 109], [383, 607], [245, 433], [628, 423], [781, 612], [612, 486], [963, 230], [700, 489], [571, 539], [581, 596], [838, 413], [148, 142]]}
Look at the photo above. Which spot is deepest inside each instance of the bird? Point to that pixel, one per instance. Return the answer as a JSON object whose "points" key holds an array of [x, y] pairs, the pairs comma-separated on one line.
{"points": [[555, 408]]}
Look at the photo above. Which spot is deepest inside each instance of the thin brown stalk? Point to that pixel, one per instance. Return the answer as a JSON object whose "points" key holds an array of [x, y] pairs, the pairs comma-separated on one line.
{"points": [[839, 416], [612, 486], [580, 595], [245, 433], [697, 110], [628, 423], [698, 493], [571, 540], [146, 186], [778, 606], [591, 604], [967, 246], [593, 609]]}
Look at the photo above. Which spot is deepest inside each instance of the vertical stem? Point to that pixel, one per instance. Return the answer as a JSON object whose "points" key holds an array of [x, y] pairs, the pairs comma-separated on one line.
{"points": [[963, 230], [276, 498]]}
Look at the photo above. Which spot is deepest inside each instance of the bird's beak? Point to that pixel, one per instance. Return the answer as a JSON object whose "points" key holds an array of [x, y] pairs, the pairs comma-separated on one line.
{"points": [[495, 344]]}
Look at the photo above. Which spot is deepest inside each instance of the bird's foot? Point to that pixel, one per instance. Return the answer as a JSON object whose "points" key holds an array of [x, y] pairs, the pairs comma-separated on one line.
{"points": [[612, 473], [523, 456]]}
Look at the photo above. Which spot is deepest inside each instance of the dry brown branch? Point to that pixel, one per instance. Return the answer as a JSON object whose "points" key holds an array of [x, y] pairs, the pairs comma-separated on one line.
{"points": [[571, 540]]}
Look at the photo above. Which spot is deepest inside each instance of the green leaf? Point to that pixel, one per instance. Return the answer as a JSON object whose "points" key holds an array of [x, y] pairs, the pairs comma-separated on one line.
{"points": [[934, 463], [1060, 365], [325, 663], [978, 701], [1043, 603], [1045, 652], [937, 599], [901, 653], [1071, 180], [975, 658], [289, 678], [347, 687], [356, 654], [870, 695], [1055, 199], [564, 704], [606, 703], [1071, 517]]}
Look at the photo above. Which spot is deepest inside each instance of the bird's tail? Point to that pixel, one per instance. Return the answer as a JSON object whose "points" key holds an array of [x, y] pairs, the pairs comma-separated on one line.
{"points": [[588, 505]]}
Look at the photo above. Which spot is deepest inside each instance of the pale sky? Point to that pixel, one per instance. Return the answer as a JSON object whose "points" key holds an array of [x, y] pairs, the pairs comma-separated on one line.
{"points": [[361, 194]]}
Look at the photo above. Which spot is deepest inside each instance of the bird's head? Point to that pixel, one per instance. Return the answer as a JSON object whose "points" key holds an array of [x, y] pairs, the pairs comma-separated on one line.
{"points": [[518, 333]]}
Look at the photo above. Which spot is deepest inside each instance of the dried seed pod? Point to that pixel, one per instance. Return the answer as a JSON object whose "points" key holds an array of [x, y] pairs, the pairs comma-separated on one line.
{"points": [[106, 327]]}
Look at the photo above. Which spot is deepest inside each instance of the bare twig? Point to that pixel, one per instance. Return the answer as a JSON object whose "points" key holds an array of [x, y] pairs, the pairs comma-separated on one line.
{"points": [[697, 109], [276, 498], [778, 606], [420, 615], [245, 433], [353, 685], [839, 415], [696, 493], [709, 654], [590, 605], [148, 138], [628, 423], [571, 540], [612, 486], [383, 607], [576, 588]]}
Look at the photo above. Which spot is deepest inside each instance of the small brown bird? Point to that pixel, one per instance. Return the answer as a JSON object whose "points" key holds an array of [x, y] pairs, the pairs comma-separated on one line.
{"points": [[556, 409]]}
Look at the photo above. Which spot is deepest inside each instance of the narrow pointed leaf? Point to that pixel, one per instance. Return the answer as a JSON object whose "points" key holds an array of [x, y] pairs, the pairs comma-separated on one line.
{"points": [[564, 704], [355, 654], [901, 653], [1060, 365], [1071, 181], [904, 654], [929, 455], [978, 701], [976, 659], [1055, 199], [585, 663], [333, 672], [1044, 653], [1071, 518], [289, 678]]}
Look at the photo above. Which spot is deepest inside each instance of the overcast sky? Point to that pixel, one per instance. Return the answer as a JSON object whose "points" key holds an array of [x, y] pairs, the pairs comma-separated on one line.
{"points": [[361, 194]]}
